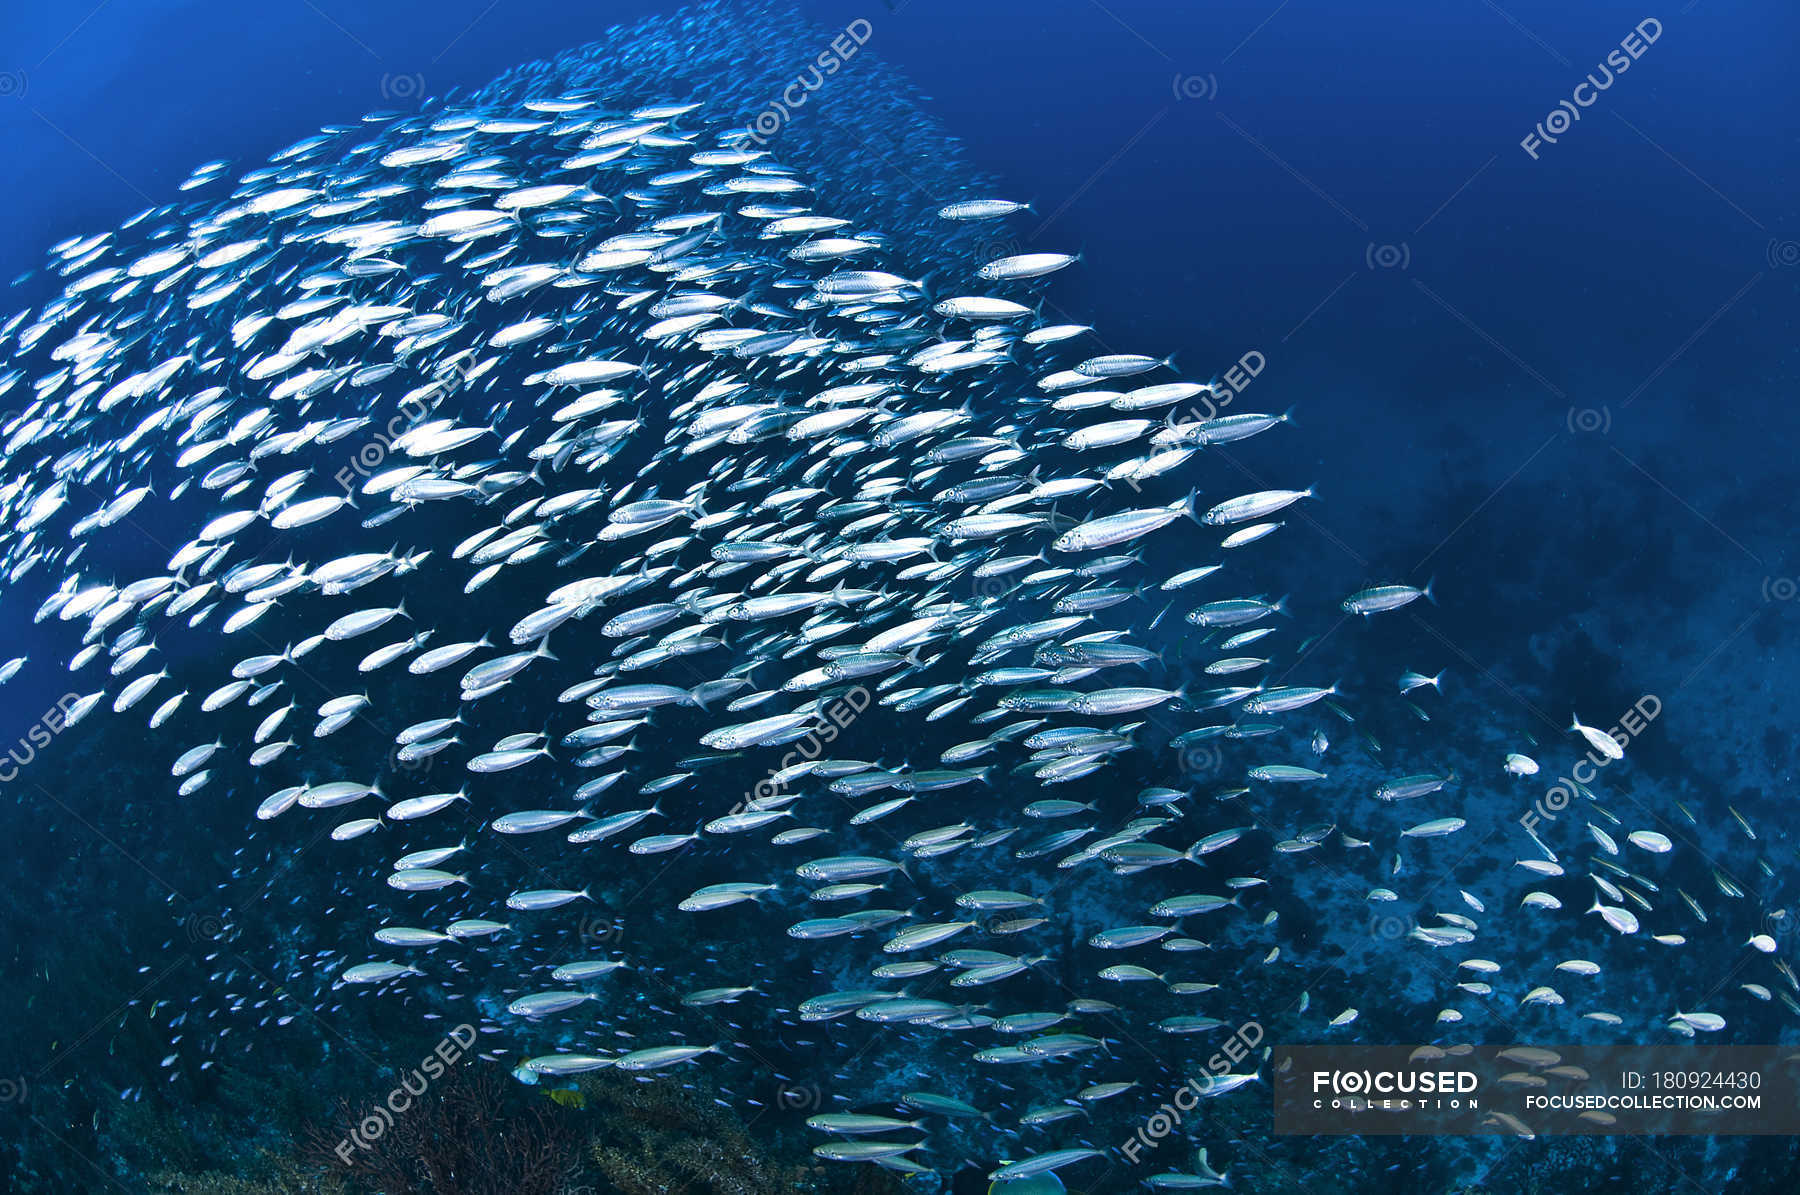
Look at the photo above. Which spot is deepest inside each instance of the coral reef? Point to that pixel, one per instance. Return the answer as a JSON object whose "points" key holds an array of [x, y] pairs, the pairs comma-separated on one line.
{"points": [[474, 1133], [277, 1175], [656, 1137]]}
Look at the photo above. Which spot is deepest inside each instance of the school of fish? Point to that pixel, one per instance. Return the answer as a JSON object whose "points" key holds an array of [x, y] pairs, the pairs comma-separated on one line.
{"points": [[704, 623]]}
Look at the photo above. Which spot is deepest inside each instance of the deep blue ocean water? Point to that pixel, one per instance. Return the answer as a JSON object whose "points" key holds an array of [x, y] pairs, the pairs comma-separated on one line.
{"points": [[1639, 275], [1560, 384]]}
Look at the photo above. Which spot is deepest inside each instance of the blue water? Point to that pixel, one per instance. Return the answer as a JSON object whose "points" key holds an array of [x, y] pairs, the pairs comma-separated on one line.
{"points": [[1642, 268], [1561, 384]]}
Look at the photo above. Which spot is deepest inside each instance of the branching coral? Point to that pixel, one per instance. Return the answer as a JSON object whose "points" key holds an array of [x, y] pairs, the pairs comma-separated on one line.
{"points": [[475, 1133]]}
